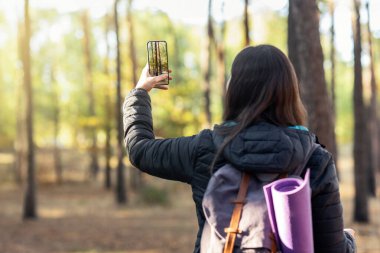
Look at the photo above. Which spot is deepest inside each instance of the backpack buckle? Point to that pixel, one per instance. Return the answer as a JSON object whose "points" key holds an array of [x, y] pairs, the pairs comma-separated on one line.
{"points": [[233, 230]]}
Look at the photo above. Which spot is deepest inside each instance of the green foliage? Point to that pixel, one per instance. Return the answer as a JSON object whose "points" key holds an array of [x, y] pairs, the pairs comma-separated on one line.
{"points": [[59, 81], [9, 80], [277, 30], [343, 92], [344, 103]]}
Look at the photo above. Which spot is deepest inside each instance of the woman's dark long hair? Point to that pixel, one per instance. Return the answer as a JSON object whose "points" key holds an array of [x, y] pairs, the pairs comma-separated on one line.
{"points": [[263, 87]]}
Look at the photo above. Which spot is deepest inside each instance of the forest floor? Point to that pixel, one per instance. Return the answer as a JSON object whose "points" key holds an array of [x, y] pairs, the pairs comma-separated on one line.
{"points": [[83, 218]]}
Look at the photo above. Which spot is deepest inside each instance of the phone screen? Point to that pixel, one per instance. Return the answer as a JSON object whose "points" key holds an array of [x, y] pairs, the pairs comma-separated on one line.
{"points": [[158, 59]]}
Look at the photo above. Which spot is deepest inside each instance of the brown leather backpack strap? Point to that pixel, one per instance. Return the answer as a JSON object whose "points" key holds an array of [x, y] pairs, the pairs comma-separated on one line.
{"points": [[274, 244], [233, 229]]}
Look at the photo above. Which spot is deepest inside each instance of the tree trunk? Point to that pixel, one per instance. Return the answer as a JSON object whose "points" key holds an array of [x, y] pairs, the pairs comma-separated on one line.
{"points": [[121, 196], [108, 150], [360, 169], [93, 152], [29, 211], [247, 40], [332, 54], [56, 121], [307, 57], [207, 72], [292, 41], [376, 51], [131, 42], [220, 52], [136, 175], [19, 144], [373, 119], [108, 108], [332, 80]]}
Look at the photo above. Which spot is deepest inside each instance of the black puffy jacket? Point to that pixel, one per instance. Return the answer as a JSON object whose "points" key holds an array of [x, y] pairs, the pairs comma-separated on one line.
{"points": [[260, 148]]}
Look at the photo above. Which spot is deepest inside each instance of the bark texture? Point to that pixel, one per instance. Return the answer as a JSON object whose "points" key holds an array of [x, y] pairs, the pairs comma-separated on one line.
{"points": [[305, 52], [121, 195], [109, 112], [208, 67], [246, 26], [30, 205], [93, 152], [332, 80], [136, 175], [360, 169], [373, 117]]}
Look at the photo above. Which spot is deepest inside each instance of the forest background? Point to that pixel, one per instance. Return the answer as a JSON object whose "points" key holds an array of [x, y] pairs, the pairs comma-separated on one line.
{"points": [[65, 67]]}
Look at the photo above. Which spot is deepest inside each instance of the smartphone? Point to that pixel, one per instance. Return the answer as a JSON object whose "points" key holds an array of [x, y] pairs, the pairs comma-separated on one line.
{"points": [[158, 62]]}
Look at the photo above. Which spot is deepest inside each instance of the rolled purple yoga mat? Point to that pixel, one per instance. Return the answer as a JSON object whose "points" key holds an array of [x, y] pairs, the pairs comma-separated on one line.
{"points": [[289, 208]]}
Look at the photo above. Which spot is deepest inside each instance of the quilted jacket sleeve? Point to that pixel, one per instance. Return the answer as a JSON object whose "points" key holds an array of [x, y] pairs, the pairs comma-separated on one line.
{"points": [[166, 158], [327, 210]]}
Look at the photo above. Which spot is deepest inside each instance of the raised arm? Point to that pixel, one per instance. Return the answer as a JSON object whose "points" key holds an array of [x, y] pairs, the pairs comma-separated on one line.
{"points": [[165, 158]]}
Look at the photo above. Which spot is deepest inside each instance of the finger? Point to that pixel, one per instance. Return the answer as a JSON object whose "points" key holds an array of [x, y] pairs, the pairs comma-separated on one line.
{"points": [[162, 87], [160, 77]]}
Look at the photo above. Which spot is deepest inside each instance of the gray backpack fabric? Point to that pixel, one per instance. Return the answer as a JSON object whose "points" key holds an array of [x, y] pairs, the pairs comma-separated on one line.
{"points": [[218, 206]]}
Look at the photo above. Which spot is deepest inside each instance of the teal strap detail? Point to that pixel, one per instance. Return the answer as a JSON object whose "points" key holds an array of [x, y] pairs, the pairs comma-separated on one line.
{"points": [[233, 123], [229, 123], [299, 128]]}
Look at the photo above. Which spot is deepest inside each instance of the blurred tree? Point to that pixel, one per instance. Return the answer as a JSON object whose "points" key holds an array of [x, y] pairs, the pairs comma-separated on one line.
{"points": [[56, 125], [292, 39], [131, 42], [108, 108], [246, 25], [94, 165], [135, 175], [360, 168], [29, 210], [332, 80], [121, 196], [220, 52], [207, 71], [307, 58], [19, 143], [332, 53], [372, 114]]}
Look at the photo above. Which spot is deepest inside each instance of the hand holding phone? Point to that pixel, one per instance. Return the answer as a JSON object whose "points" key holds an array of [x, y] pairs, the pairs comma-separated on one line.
{"points": [[158, 63], [147, 82]]}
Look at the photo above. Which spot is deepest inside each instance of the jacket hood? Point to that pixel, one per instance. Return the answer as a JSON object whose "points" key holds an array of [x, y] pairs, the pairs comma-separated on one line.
{"points": [[267, 148]]}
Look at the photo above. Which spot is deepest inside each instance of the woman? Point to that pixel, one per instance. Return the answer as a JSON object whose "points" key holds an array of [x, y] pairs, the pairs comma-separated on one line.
{"points": [[262, 102]]}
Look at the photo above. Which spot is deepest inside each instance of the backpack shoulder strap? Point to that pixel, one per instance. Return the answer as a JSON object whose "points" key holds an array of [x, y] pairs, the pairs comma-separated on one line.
{"points": [[301, 168], [233, 229]]}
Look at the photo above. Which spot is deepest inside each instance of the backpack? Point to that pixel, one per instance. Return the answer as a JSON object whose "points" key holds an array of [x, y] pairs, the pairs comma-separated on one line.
{"points": [[236, 211]]}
